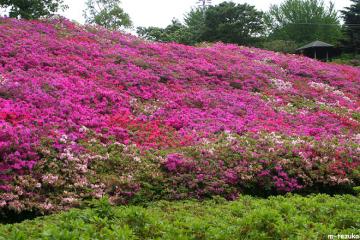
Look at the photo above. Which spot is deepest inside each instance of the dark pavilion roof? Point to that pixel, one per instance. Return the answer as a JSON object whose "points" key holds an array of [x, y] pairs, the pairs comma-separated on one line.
{"points": [[315, 45]]}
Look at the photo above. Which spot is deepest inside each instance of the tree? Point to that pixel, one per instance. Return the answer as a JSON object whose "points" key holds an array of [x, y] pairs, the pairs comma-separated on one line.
{"points": [[32, 9], [233, 23], [280, 46], [304, 21], [195, 23], [175, 32], [227, 22], [352, 26], [107, 13], [188, 33]]}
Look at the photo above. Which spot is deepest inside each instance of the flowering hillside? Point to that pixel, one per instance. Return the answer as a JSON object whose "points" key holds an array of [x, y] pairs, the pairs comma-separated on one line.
{"points": [[86, 112]]}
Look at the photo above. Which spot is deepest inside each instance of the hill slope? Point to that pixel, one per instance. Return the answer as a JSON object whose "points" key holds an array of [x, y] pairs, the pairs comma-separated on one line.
{"points": [[86, 112]]}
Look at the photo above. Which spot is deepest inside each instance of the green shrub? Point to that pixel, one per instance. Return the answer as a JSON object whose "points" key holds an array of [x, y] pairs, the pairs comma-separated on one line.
{"points": [[348, 59], [281, 217], [280, 46]]}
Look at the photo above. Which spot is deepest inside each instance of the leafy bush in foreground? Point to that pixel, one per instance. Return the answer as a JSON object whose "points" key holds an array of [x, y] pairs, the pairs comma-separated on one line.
{"points": [[282, 217]]}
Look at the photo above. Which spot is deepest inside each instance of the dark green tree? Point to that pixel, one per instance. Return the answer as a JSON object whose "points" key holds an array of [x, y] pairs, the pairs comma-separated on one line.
{"points": [[32, 9], [233, 23], [152, 33], [352, 26], [194, 21], [280, 46], [107, 13], [304, 21], [227, 22], [175, 32]]}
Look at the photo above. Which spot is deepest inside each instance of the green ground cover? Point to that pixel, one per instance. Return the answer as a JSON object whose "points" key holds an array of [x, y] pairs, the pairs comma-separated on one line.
{"points": [[281, 217]]}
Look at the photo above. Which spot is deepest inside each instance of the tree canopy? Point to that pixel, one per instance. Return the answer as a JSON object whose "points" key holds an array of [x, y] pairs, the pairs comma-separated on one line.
{"points": [[351, 17], [227, 22], [32, 9], [233, 23], [174, 32], [304, 21], [190, 32], [107, 13]]}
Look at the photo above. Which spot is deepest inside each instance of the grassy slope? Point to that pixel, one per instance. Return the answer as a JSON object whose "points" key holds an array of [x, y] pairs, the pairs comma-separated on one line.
{"points": [[282, 217]]}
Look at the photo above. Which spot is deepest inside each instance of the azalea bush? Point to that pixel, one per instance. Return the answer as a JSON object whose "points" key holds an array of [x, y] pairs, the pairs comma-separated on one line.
{"points": [[85, 112]]}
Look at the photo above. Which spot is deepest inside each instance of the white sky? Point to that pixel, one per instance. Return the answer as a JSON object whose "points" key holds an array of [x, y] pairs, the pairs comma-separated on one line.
{"points": [[160, 12]]}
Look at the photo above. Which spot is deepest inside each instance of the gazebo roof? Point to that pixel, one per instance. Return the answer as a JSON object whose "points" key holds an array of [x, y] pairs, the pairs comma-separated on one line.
{"points": [[315, 45]]}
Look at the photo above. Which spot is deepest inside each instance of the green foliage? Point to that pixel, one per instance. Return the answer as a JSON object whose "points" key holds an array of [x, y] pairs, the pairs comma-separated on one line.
{"points": [[194, 20], [304, 21], [281, 217], [175, 32], [233, 23], [32, 9], [106, 13], [280, 46], [152, 33], [352, 28], [227, 22], [348, 59], [356, 115], [102, 208]]}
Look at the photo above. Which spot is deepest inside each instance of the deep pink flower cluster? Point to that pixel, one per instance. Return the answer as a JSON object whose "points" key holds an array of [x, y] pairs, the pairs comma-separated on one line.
{"points": [[58, 78], [173, 162]]}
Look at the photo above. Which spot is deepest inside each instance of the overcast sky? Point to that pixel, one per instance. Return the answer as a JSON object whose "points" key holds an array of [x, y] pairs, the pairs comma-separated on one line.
{"points": [[160, 12]]}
